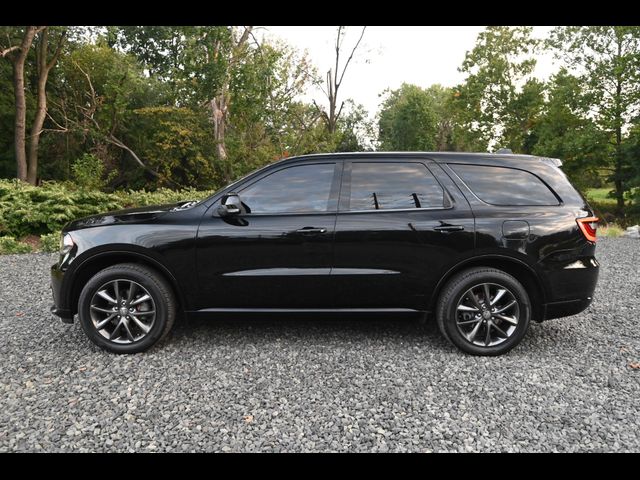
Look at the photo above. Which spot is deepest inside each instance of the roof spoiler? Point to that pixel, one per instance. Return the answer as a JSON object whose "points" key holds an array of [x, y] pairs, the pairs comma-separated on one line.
{"points": [[554, 162]]}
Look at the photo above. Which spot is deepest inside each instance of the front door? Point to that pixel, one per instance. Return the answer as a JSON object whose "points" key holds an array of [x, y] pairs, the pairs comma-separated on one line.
{"points": [[278, 254], [399, 228]]}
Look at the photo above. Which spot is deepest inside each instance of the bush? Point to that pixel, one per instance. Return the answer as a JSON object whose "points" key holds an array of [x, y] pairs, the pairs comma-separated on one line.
{"points": [[11, 245], [28, 210], [50, 242], [88, 172]]}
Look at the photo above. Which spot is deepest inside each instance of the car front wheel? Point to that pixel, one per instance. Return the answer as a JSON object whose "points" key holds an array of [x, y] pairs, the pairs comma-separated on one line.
{"points": [[484, 311], [126, 308]]}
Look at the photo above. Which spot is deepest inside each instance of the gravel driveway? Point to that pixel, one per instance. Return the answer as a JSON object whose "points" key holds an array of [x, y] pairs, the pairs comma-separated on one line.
{"points": [[321, 384]]}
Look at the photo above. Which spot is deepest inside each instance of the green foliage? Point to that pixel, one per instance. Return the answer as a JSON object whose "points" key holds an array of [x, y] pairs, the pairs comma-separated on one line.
{"points": [[26, 210], [606, 60], [408, 120], [175, 142], [10, 245], [88, 172], [50, 242], [490, 107]]}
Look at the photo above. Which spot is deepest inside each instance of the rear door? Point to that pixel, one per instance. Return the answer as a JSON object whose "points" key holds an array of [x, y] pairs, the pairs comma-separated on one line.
{"points": [[400, 226]]}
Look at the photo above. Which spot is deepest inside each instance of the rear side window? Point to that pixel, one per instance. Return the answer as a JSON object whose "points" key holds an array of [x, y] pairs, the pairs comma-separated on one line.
{"points": [[388, 186], [505, 186]]}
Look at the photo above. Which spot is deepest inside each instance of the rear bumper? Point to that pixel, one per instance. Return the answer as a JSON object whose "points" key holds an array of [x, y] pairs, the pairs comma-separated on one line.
{"points": [[571, 288], [58, 308]]}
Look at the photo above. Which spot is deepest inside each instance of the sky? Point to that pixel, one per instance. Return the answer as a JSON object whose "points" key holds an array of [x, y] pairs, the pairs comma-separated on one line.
{"points": [[389, 56]]}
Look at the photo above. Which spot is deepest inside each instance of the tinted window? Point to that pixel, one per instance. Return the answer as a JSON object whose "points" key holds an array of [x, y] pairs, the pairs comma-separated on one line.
{"points": [[304, 188], [505, 186], [384, 186]]}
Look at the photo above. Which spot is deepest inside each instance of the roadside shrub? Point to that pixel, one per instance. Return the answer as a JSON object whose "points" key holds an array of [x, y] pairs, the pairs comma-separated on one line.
{"points": [[50, 242], [88, 172], [11, 245], [28, 210]]}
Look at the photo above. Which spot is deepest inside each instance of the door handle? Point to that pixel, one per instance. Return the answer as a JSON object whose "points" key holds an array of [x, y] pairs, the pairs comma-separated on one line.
{"points": [[311, 230], [449, 228]]}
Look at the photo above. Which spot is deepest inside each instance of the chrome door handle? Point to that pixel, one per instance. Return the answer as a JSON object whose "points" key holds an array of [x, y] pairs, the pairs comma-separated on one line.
{"points": [[311, 230], [449, 228]]}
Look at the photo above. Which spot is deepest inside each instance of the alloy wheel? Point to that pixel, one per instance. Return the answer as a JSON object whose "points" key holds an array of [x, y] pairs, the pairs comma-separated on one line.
{"points": [[487, 314], [122, 311]]}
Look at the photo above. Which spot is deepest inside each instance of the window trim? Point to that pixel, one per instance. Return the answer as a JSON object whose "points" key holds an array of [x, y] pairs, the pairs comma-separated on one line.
{"points": [[334, 191], [345, 191], [537, 205]]}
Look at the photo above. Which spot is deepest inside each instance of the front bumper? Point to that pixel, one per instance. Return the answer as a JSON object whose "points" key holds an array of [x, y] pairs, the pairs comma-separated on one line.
{"points": [[59, 308]]}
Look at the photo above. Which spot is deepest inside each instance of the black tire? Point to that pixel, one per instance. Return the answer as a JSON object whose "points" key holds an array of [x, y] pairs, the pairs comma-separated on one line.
{"points": [[453, 292], [156, 286]]}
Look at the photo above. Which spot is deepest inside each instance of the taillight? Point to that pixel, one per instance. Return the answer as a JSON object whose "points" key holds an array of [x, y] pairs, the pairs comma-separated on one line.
{"points": [[588, 225]]}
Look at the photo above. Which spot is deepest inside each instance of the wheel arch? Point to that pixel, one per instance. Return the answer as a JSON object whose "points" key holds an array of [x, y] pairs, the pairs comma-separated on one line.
{"points": [[523, 272], [92, 265]]}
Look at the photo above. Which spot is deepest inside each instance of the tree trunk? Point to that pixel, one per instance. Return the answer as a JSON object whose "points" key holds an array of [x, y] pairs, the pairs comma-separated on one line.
{"points": [[619, 186], [20, 104], [218, 119], [44, 67]]}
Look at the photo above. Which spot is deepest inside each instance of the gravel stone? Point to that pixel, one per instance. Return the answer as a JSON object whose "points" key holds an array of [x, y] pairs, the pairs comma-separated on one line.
{"points": [[299, 384]]}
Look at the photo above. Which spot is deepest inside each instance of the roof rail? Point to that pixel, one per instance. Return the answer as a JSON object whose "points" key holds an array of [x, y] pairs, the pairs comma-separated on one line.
{"points": [[504, 151]]}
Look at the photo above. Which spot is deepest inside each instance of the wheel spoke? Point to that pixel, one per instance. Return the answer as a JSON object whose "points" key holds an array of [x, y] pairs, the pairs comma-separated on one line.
{"points": [[466, 308], [472, 335], [498, 296], [487, 338], [142, 326], [506, 307], [116, 288], [511, 320], [502, 332], [107, 297], [130, 336], [487, 294], [105, 322], [116, 330], [466, 322], [143, 298], [103, 310], [475, 300], [148, 312], [133, 286]]}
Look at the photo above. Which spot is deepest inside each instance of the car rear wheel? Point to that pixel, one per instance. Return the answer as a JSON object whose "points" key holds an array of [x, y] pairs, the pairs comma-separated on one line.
{"points": [[126, 308], [484, 311]]}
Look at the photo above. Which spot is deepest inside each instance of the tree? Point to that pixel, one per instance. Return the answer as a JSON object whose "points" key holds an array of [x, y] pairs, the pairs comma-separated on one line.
{"points": [[335, 77], [565, 131], [17, 53], [489, 105], [407, 120], [102, 88], [45, 61], [606, 60]]}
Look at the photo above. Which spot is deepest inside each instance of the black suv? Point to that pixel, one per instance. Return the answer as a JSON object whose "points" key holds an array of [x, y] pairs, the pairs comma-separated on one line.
{"points": [[483, 242]]}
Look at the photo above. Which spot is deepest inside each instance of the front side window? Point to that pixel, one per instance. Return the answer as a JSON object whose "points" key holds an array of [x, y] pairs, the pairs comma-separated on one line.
{"points": [[505, 186], [297, 189], [393, 185]]}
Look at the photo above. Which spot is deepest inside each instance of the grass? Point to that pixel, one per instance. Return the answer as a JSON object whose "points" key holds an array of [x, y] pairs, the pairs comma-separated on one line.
{"points": [[600, 195], [611, 231]]}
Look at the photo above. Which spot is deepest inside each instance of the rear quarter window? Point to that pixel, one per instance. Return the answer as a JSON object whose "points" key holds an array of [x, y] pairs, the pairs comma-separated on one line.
{"points": [[505, 186]]}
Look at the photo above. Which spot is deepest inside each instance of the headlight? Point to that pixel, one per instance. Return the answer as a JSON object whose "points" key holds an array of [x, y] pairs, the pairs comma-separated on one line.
{"points": [[66, 244]]}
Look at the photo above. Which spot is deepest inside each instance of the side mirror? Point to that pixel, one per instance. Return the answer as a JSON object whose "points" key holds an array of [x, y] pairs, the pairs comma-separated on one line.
{"points": [[230, 205]]}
